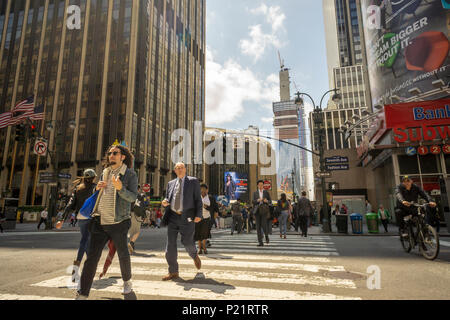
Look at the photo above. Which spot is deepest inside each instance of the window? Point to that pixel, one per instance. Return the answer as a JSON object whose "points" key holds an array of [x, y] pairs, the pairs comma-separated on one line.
{"points": [[408, 164]]}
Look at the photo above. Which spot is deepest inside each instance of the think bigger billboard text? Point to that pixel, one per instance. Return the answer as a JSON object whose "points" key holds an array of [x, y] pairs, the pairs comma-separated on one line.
{"points": [[407, 47]]}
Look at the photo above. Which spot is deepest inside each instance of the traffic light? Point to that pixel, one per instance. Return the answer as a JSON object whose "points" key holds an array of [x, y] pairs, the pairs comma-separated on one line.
{"points": [[33, 131], [20, 133]]}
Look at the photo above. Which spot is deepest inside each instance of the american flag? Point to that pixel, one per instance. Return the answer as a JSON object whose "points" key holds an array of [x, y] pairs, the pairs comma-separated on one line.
{"points": [[25, 105], [38, 113], [5, 119]]}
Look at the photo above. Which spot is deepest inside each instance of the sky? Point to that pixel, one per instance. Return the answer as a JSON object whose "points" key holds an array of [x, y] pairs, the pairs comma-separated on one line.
{"points": [[243, 38]]}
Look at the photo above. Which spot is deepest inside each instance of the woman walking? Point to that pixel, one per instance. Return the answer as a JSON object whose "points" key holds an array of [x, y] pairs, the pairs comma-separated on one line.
{"points": [[384, 216], [202, 229], [284, 208], [84, 189]]}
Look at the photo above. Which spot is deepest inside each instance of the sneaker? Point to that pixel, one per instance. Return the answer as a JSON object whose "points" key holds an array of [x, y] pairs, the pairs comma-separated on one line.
{"points": [[127, 287]]}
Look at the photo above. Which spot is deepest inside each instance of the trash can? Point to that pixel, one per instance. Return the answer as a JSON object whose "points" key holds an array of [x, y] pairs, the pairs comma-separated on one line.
{"points": [[357, 223], [11, 218], [372, 222], [342, 223], [315, 219]]}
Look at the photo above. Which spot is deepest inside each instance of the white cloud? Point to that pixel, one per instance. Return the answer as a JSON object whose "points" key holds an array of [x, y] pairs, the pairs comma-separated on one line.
{"points": [[274, 16], [256, 45], [230, 86]]}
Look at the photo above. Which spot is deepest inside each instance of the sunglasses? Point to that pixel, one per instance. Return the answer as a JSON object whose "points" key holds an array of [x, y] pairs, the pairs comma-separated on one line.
{"points": [[113, 153]]}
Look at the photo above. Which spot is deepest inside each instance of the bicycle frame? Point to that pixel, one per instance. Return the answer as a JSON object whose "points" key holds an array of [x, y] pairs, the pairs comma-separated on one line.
{"points": [[416, 221]]}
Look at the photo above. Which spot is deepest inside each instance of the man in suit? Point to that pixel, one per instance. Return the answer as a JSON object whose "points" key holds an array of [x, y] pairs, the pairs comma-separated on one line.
{"points": [[304, 210], [183, 209], [261, 202]]}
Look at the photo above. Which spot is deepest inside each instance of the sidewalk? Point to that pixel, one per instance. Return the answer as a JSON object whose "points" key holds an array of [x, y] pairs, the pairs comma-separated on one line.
{"points": [[32, 227], [392, 231]]}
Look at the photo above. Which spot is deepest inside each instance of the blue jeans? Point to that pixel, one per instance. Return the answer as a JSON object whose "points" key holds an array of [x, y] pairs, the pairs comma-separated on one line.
{"points": [[283, 221], [85, 237]]}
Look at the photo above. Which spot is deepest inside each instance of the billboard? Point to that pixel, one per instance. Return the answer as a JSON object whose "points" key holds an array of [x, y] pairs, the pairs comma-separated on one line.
{"points": [[407, 45], [236, 186]]}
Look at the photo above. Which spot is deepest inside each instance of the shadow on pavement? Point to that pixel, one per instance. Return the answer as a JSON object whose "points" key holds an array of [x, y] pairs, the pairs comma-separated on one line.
{"points": [[201, 282]]}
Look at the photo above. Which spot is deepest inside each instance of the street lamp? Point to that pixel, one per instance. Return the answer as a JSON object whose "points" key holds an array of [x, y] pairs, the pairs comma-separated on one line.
{"points": [[54, 154], [318, 118]]}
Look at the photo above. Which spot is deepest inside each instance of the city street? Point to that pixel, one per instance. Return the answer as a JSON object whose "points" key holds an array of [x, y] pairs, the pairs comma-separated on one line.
{"points": [[37, 265]]}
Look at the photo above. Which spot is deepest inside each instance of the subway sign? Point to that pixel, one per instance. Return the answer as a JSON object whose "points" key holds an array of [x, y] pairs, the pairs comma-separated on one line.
{"points": [[424, 133], [419, 121]]}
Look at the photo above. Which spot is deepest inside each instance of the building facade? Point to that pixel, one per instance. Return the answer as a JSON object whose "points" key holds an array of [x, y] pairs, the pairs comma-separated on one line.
{"points": [[132, 71], [246, 163]]}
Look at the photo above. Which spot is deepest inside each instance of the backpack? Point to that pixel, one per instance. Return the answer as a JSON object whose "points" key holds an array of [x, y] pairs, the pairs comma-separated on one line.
{"points": [[236, 209], [139, 207]]}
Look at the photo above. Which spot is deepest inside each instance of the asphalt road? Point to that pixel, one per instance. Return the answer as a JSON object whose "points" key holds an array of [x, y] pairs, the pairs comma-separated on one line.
{"points": [[37, 266]]}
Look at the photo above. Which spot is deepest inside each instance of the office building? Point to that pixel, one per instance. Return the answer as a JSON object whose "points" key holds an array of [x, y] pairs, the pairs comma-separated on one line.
{"points": [[132, 71]]}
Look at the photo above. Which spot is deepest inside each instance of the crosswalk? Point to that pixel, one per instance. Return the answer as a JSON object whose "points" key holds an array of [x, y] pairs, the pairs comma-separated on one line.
{"points": [[294, 268], [293, 245]]}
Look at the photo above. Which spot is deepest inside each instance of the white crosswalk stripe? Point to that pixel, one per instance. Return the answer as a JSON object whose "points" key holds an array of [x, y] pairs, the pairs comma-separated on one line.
{"points": [[191, 290], [293, 245], [225, 275]]}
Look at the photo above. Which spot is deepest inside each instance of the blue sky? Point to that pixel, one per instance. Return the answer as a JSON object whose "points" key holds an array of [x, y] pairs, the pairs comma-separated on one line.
{"points": [[243, 37]]}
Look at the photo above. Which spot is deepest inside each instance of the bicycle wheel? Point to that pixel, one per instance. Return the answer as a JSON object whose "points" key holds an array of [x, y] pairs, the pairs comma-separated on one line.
{"points": [[406, 243], [429, 246]]}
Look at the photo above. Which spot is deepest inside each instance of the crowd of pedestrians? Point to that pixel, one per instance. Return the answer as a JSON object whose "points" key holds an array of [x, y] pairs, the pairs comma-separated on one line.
{"points": [[112, 211]]}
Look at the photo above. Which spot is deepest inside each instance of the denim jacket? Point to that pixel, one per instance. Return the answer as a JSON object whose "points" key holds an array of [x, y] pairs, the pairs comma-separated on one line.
{"points": [[125, 197]]}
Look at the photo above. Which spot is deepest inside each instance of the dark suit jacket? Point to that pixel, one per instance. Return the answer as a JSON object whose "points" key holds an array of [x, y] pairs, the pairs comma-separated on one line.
{"points": [[192, 199], [255, 202]]}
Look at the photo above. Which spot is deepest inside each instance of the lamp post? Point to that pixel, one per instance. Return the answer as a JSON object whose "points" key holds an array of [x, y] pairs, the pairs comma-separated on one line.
{"points": [[318, 118], [54, 154]]}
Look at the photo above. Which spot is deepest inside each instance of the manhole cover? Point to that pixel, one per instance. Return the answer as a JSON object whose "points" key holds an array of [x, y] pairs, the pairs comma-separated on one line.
{"points": [[346, 275]]}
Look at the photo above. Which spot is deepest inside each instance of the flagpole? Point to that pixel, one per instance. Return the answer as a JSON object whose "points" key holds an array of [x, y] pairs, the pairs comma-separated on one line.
{"points": [[36, 174], [13, 164], [24, 171]]}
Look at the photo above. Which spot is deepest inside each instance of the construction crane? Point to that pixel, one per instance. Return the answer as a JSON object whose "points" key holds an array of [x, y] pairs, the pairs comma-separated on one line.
{"points": [[281, 61]]}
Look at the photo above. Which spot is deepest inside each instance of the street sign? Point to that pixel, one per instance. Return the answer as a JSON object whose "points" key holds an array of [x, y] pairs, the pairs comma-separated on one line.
{"points": [[435, 149], [411, 151], [446, 148], [336, 160], [146, 187], [323, 174], [422, 150], [65, 176], [335, 167], [47, 177], [40, 148]]}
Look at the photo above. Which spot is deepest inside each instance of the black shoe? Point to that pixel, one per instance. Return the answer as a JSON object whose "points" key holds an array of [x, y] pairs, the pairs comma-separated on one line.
{"points": [[267, 240], [260, 245]]}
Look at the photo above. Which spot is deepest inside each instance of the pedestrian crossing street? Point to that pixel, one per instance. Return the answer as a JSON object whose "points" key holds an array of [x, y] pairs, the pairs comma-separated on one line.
{"points": [[234, 269]]}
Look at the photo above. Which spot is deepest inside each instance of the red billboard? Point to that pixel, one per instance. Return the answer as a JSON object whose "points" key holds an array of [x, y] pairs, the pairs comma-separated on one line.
{"points": [[417, 114]]}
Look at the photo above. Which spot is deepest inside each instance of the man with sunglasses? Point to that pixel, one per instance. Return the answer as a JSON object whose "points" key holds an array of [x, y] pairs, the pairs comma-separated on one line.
{"points": [[112, 218]]}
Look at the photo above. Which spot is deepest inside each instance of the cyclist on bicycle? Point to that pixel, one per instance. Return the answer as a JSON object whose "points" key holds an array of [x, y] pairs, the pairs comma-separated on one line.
{"points": [[406, 193]]}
